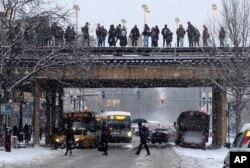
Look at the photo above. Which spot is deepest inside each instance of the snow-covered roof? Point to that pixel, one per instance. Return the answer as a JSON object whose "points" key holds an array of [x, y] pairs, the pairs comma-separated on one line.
{"points": [[245, 127]]}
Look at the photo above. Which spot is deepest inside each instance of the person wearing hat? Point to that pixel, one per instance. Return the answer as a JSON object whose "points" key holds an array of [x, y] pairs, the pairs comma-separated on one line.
{"points": [[143, 133]]}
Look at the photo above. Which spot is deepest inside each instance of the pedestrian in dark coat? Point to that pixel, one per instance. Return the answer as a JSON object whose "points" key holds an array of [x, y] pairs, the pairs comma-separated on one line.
{"points": [[134, 35], [180, 32], [190, 33], [118, 33], [164, 33], [205, 36], [196, 37], [112, 35], [98, 35], [85, 33], [143, 133], [26, 133], [103, 36], [123, 39], [105, 138], [69, 139], [154, 37], [222, 36]]}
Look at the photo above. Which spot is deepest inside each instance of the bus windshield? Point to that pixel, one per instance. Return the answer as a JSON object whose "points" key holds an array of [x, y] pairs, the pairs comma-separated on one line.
{"points": [[119, 122], [81, 120]]}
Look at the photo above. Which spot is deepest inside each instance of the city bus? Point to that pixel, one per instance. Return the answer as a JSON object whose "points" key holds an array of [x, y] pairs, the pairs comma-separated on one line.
{"points": [[119, 125], [84, 127]]}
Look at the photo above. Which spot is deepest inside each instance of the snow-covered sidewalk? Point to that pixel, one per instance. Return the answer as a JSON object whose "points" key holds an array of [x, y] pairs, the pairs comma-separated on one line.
{"points": [[30, 154]]}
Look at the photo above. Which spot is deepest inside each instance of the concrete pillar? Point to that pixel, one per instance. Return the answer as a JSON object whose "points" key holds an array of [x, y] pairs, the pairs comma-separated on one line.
{"points": [[60, 103], [219, 117], [37, 125], [48, 117]]}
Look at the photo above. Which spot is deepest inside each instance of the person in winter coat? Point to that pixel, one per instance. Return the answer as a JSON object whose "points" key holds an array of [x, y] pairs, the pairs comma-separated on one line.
{"points": [[196, 37], [190, 33], [154, 37], [112, 35], [169, 38], [98, 35], [69, 139], [158, 32], [146, 34], [70, 35], [85, 33], [134, 35], [123, 38], [164, 33], [143, 133], [205, 36], [118, 33], [103, 36], [105, 138], [26, 131], [222, 35], [180, 32]]}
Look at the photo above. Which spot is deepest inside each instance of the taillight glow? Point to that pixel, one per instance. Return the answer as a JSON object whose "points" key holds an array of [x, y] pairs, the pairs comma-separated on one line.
{"points": [[247, 137]]}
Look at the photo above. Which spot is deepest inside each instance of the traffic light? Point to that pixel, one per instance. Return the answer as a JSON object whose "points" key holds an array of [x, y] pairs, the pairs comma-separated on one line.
{"points": [[138, 94], [103, 94]]}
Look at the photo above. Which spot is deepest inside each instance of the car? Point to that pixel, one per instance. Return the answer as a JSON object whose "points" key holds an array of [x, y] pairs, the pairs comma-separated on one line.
{"points": [[159, 135], [241, 144]]}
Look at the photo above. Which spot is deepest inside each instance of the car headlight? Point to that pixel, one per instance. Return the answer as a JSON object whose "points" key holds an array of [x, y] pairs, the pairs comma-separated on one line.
{"points": [[77, 139], [129, 133], [57, 140]]}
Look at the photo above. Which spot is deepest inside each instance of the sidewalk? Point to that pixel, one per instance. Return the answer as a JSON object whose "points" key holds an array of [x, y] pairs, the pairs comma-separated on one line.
{"points": [[28, 154]]}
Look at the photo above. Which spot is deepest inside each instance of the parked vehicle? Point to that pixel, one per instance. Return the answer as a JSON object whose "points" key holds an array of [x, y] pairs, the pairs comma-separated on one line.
{"points": [[241, 144], [192, 129], [159, 135]]}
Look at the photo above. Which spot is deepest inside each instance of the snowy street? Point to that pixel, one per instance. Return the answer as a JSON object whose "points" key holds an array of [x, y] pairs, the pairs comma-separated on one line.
{"points": [[120, 155]]}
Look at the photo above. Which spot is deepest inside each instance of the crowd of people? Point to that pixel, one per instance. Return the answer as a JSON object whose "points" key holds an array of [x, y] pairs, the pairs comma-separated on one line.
{"points": [[119, 33], [55, 36]]}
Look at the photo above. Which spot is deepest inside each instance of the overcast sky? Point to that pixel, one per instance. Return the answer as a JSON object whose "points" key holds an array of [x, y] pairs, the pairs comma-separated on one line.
{"points": [[162, 12]]}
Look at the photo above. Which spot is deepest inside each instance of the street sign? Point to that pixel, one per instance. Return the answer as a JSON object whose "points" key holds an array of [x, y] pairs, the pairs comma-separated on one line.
{"points": [[6, 108]]}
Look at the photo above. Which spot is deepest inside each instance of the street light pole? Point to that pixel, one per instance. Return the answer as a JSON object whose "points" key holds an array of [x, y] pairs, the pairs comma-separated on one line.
{"points": [[214, 9], [76, 8], [145, 11]]}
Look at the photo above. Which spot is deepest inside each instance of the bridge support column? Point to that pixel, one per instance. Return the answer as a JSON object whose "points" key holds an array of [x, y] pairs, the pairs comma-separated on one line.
{"points": [[60, 103], [48, 117], [37, 124], [219, 117]]}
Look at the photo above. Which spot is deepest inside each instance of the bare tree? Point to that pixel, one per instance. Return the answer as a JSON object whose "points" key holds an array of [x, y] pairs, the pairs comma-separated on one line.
{"points": [[233, 63], [20, 57]]}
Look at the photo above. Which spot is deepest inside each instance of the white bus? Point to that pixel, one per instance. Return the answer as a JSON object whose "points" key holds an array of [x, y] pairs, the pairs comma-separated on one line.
{"points": [[119, 125]]}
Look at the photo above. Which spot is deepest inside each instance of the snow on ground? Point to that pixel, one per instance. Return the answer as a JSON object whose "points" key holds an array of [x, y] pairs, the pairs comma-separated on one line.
{"points": [[30, 154], [189, 158], [197, 158]]}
